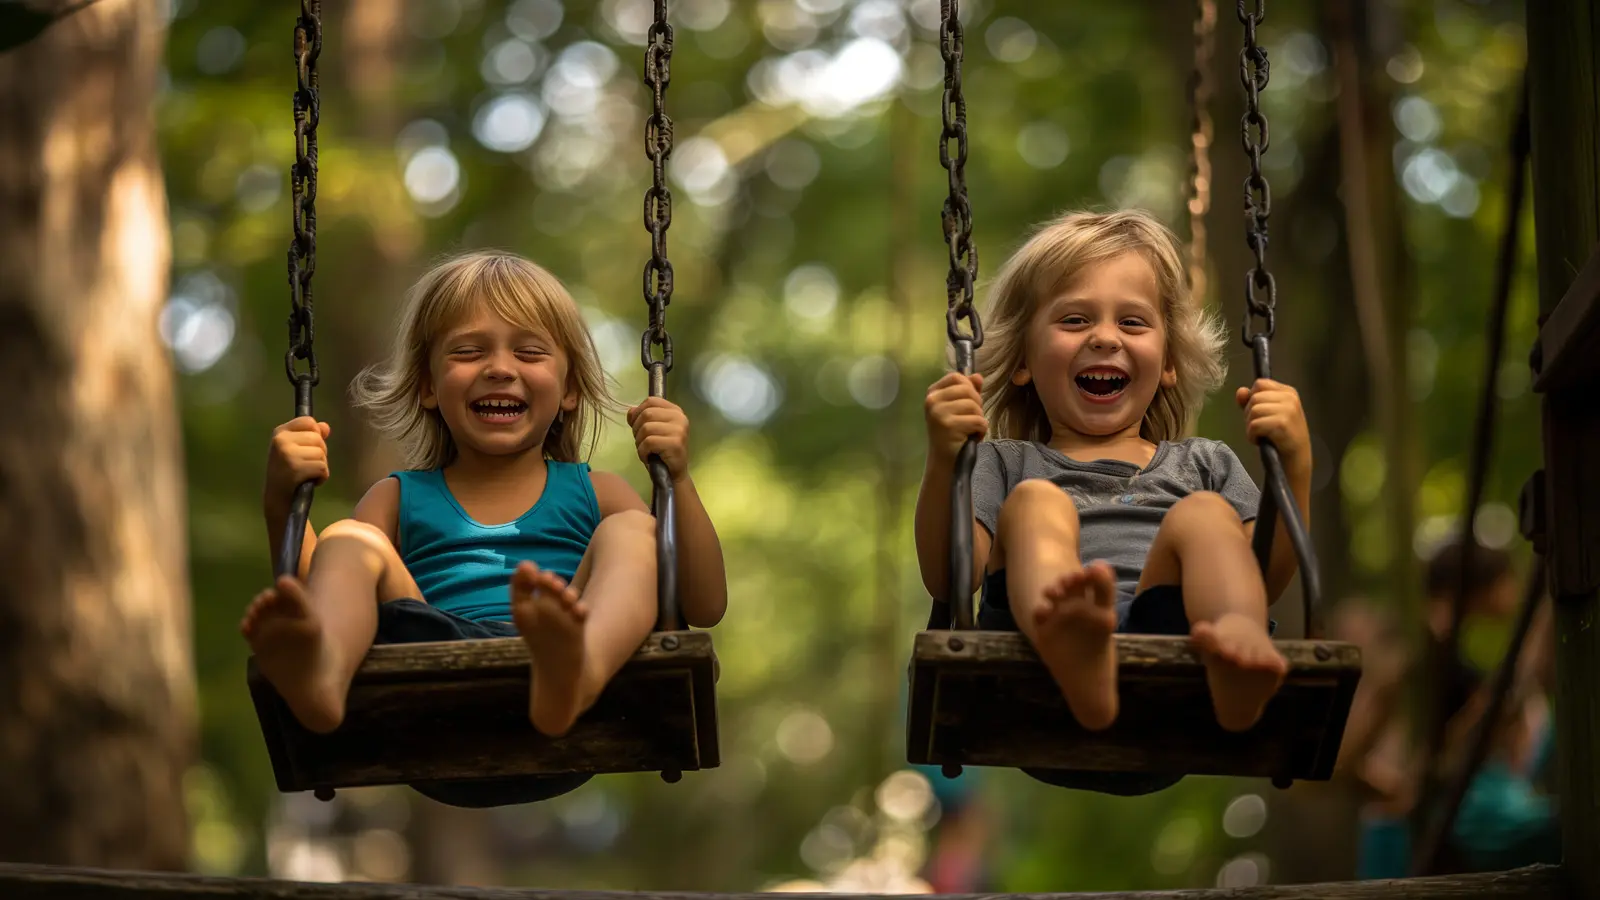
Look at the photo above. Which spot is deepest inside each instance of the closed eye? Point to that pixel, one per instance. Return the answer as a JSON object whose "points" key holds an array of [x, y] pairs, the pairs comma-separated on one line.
{"points": [[1134, 322]]}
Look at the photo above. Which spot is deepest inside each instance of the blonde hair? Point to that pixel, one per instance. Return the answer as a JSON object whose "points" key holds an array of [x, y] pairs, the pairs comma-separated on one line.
{"points": [[1052, 257], [519, 291]]}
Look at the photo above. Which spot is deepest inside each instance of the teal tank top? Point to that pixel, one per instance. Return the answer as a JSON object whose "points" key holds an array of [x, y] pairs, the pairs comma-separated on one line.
{"points": [[464, 567]]}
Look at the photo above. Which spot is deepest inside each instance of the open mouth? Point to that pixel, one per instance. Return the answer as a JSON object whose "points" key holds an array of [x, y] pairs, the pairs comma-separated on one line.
{"points": [[1102, 385], [499, 409]]}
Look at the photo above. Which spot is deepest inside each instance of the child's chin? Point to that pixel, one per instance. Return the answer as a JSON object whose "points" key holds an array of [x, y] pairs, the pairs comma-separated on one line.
{"points": [[1109, 422]]}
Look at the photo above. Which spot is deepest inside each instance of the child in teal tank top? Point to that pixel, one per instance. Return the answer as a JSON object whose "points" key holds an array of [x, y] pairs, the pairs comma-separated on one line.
{"points": [[496, 528]]}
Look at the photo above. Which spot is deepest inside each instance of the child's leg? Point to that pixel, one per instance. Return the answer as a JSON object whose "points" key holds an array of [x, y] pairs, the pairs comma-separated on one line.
{"points": [[1203, 546], [1066, 611], [579, 635], [310, 638]]}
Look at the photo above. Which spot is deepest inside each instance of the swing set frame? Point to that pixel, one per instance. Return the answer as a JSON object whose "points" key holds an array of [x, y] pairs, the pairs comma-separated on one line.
{"points": [[1564, 90]]}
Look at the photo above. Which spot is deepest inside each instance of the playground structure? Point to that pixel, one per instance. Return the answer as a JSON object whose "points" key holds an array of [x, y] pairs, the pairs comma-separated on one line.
{"points": [[1564, 65]]}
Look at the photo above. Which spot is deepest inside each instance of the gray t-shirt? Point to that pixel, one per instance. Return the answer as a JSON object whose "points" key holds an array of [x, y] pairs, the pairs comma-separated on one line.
{"points": [[1120, 506]]}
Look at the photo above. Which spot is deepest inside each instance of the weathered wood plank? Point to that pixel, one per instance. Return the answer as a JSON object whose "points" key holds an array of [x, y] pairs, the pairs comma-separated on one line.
{"points": [[458, 711], [25, 882], [1142, 656], [500, 656], [1564, 93], [1569, 339], [983, 698]]}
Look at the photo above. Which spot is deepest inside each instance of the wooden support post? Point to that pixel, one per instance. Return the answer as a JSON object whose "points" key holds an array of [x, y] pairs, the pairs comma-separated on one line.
{"points": [[1564, 78], [1569, 341]]}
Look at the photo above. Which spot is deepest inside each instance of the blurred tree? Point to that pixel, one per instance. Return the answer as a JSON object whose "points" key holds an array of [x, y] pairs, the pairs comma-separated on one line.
{"points": [[518, 123], [96, 678]]}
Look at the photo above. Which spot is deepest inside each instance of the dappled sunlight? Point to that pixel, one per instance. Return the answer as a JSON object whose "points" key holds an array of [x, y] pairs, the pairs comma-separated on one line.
{"points": [[808, 319]]}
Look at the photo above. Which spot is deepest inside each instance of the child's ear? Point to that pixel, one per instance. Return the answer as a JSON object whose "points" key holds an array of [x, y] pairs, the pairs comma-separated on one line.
{"points": [[569, 400], [1021, 376], [425, 394], [1169, 376]]}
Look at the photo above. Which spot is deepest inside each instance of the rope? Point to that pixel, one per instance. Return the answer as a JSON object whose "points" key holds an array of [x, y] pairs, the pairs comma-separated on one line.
{"points": [[1198, 184], [1482, 447]]}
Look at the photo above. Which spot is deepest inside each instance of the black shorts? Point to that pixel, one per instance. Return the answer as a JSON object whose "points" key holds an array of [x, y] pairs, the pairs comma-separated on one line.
{"points": [[415, 622]]}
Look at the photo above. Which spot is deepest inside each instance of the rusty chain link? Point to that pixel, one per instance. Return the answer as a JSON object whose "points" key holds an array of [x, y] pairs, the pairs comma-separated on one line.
{"points": [[1200, 138], [957, 215], [303, 190], [1260, 290], [658, 202]]}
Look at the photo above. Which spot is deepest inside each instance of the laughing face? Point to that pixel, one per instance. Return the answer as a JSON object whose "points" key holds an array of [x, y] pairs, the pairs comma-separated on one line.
{"points": [[1096, 351], [498, 386]]}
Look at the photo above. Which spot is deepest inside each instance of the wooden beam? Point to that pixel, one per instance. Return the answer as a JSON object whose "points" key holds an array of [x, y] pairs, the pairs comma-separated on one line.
{"points": [[1569, 341], [1564, 94], [26, 882]]}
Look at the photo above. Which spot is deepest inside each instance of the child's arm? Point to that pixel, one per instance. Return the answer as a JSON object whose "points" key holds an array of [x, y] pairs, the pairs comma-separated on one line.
{"points": [[661, 428], [299, 452], [1272, 411], [953, 410]]}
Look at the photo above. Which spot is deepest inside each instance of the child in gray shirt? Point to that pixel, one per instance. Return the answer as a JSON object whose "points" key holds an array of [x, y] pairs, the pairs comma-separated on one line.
{"points": [[1094, 513]]}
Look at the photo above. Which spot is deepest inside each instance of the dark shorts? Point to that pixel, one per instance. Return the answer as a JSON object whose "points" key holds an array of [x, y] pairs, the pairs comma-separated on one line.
{"points": [[1156, 610], [415, 622]]}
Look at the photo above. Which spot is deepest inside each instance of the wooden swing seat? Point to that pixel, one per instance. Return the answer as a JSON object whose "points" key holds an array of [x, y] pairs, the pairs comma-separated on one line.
{"points": [[458, 712], [983, 698]]}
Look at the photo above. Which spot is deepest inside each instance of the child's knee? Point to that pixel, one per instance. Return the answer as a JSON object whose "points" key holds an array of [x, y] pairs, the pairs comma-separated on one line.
{"points": [[362, 534], [634, 526], [1202, 509], [1035, 496], [364, 542], [634, 520]]}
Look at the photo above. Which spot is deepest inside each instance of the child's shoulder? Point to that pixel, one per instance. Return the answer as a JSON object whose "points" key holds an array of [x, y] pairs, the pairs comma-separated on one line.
{"points": [[1010, 446], [1205, 450], [1211, 457], [612, 492], [1010, 452]]}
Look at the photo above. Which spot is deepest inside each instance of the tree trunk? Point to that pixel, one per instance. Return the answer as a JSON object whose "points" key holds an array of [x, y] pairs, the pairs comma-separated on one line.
{"points": [[96, 676], [1381, 271]]}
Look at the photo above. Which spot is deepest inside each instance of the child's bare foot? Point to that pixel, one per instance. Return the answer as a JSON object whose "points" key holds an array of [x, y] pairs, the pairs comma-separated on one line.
{"points": [[1243, 668], [286, 634], [550, 618], [1075, 630]]}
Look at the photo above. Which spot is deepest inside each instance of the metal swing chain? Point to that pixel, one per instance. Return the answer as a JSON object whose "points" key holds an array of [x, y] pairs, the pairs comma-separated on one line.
{"points": [[302, 257], [1261, 301], [303, 190], [1254, 72], [957, 221], [657, 295], [658, 202], [957, 213], [1198, 184]]}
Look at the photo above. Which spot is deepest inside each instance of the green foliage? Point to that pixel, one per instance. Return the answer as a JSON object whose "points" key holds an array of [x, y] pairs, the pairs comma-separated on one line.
{"points": [[783, 264]]}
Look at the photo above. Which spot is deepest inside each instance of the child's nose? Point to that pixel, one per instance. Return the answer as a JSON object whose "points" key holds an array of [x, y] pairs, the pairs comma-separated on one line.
{"points": [[498, 366]]}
